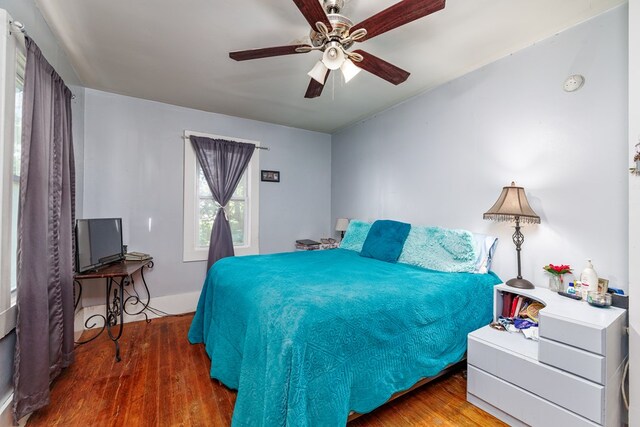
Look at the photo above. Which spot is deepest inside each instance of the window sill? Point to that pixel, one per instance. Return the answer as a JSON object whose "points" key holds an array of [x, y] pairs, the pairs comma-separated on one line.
{"points": [[203, 254], [8, 320]]}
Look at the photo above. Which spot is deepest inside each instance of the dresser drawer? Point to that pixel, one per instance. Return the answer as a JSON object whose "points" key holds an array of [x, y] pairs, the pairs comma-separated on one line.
{"points": [[580, 362], [518, 403], [582, 335], [569, 391]]}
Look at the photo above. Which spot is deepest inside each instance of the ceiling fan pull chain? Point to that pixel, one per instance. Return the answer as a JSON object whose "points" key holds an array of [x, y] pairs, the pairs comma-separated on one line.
{"points": [[333, 86]]}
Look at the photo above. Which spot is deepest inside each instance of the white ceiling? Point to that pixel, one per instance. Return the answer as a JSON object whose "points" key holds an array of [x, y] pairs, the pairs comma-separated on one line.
{"points": [[177, 51]]}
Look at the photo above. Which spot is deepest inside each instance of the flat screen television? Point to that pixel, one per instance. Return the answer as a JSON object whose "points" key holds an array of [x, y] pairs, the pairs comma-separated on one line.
{"points": [[98, 243]]}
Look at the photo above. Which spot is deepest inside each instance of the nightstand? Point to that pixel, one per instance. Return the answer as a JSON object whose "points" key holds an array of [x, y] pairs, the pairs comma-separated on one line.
{"points": [[571, 377]]}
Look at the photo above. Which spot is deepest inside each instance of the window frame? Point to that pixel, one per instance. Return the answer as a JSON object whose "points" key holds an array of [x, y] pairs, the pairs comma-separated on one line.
{"points": [[12, 41], [191, 250]]}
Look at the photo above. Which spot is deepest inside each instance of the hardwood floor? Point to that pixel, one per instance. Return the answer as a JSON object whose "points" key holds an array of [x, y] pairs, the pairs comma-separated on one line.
{"points": [[163, 381]]}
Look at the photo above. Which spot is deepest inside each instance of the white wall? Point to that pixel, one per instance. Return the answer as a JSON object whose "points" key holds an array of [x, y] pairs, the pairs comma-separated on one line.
{"points": [[443, 157], [77, 118], [133, 167], [634, 213]]}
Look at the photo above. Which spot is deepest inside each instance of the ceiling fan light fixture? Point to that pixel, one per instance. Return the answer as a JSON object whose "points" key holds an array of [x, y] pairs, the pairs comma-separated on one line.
{"points": [[333, 57], [318, 72], [334, 34], [349, 70]]}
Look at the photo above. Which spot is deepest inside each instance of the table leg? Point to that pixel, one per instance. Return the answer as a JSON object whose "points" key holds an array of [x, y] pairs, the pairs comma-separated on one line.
{"points": [[76, 296], [90, 323], [115, 312], [135, 298]]}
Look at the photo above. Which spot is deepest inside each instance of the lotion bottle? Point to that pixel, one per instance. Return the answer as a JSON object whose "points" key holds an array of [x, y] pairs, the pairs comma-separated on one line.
{"points": [[589, 277]]}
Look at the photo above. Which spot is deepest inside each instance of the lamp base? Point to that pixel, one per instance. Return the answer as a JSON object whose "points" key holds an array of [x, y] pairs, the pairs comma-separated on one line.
{"points": [[520, 283]]}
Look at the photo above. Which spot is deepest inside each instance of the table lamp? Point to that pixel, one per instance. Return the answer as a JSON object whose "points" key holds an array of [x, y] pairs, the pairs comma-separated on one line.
{"points": [[512, 205], [341, 226]]}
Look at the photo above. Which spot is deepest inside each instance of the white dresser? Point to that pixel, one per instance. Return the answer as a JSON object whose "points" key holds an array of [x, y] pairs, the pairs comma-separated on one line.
{"points": [[571, 377]]}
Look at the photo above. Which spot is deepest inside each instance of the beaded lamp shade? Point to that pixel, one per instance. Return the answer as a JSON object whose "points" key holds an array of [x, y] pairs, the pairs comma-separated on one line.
{"points": [[512, 205]]}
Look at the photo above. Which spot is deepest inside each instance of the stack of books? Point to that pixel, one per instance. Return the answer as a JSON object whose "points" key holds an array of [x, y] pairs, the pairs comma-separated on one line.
{"points": [[307, 245], [519, 306], [136, 256]]}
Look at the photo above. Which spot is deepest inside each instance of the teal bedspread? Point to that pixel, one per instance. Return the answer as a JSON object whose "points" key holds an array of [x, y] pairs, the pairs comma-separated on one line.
{"points": [[305, 337]]}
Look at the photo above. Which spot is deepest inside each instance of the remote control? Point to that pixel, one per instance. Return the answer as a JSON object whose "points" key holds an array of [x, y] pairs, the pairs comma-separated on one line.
{"points": [[572, 296]]}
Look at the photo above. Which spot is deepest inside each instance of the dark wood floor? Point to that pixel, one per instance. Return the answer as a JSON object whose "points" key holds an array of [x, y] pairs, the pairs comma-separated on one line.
{"points": [[162, 381]]}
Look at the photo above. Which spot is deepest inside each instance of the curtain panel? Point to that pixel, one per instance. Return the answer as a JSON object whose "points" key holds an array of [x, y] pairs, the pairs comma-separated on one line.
{"points": [[223, 163], [44, 329]]}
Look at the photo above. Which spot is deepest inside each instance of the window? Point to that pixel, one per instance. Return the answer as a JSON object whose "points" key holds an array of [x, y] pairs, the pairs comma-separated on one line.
{"points": [[200, 209], [12, 53], [15, 178], [208, 208]]}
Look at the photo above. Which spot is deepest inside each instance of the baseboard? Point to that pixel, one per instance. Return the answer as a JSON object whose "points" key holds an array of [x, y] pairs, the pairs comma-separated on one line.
{"points": [[6, 413], [6, 418], [170, 304], [78, 325]]}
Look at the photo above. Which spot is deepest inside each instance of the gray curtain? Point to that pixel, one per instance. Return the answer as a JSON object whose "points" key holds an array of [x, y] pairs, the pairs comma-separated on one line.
{"points": [[223, 163], [44, 330]]}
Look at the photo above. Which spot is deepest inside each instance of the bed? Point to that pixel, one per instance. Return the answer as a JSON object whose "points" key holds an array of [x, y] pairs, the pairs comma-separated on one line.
{"points": [[309, 337]]}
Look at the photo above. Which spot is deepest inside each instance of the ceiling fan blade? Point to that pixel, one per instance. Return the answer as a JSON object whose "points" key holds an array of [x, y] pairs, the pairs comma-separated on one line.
{"points": [[243, 55], [397, 15], [315, 88], [381, 68], [313, 12]]}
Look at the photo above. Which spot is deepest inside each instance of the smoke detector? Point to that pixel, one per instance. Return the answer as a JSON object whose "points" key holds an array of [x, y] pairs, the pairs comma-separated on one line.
{"points": [[573, 83]]}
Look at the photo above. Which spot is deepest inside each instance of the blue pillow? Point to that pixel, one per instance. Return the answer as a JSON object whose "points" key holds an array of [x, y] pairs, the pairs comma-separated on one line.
{"points": [[355, 235], [435, 248], [385, 240]]}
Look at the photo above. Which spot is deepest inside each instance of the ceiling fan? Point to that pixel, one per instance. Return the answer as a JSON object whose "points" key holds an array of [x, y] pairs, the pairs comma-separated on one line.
{"points": [[334, 34]]}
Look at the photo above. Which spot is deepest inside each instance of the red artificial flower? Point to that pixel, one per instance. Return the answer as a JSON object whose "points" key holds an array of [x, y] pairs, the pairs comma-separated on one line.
{"points": [[557, 270]]}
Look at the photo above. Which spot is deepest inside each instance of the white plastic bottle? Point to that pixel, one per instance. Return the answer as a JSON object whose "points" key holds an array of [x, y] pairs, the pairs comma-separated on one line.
{"points": [[589, 277]]}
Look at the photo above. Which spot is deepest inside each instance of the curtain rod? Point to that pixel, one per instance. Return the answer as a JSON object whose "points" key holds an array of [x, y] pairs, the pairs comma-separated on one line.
{"points": [[257, 146], [20, 27]]}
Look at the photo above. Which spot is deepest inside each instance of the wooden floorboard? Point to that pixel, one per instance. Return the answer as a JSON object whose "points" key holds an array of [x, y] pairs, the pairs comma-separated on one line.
{"points": [[163, 380]]}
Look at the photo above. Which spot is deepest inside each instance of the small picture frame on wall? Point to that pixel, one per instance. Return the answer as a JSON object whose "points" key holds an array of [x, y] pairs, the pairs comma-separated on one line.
{"points": [[603, 285], [270, 176]]}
